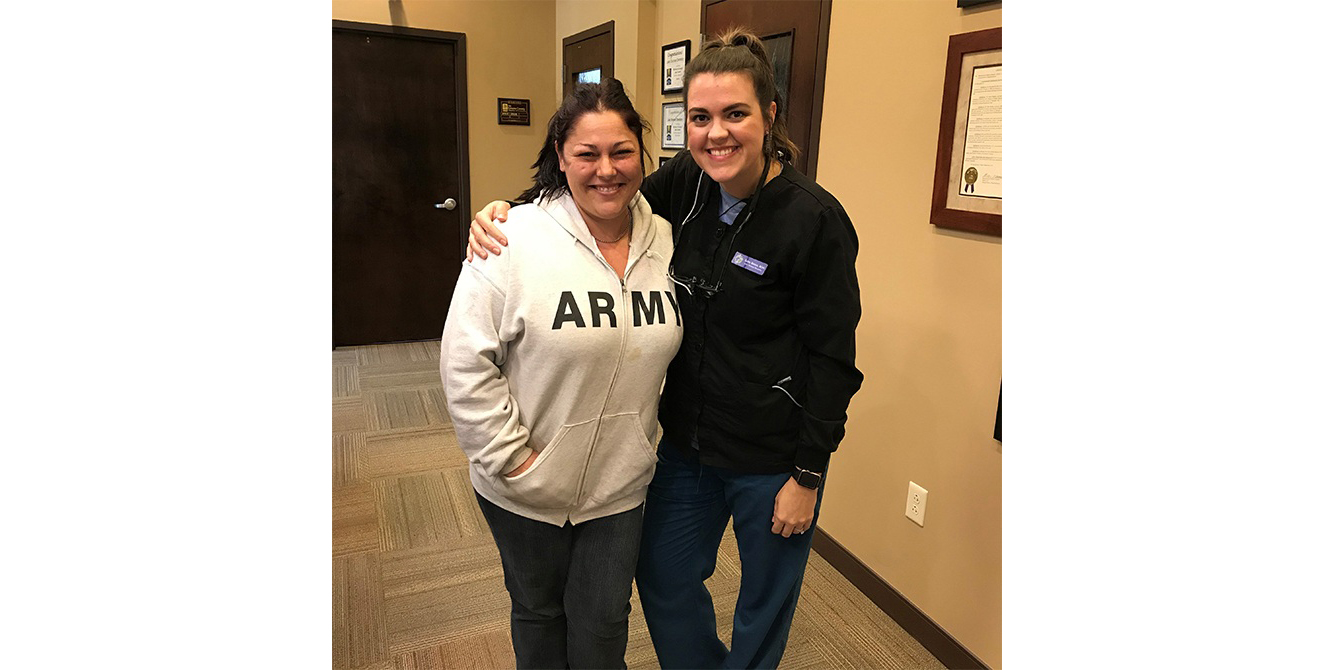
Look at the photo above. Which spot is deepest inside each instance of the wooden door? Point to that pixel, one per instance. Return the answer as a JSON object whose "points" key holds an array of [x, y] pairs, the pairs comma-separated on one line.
{"points": [[796, 35], [589, 55], [399, 149]]}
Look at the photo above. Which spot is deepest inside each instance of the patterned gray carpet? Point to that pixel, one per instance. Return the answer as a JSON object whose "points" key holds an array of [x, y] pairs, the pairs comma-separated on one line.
{"points": [[417, 582]]}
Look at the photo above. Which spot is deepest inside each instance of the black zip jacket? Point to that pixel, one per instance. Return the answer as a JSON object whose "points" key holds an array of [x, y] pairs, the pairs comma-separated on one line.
{"points": [[767, 365]]}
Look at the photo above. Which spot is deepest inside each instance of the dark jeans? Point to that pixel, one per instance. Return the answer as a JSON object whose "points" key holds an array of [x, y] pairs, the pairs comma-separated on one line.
{"points": [[569, 587], [684, 518]]}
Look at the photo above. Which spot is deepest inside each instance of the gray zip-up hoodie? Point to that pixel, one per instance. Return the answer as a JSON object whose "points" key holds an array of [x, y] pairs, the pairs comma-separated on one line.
{"points": [[546, 349]]}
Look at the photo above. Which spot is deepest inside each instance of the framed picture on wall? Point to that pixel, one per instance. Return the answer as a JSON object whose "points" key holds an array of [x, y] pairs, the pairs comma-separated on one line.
{"points": [[967, 191], [673, 125], [674, 59], [995, 434]]}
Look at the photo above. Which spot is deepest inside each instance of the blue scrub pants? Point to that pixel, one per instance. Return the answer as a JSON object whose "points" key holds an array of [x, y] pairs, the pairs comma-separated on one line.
{"points": [[684, 518]]}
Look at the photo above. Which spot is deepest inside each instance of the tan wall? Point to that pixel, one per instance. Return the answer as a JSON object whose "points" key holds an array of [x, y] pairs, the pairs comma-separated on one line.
{"points": [[930, 338], [575, 16], [502, 63], [644, 92]]}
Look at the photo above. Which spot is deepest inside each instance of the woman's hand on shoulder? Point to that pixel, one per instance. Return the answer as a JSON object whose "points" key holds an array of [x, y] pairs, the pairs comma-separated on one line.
{"points": [[484, 233]]}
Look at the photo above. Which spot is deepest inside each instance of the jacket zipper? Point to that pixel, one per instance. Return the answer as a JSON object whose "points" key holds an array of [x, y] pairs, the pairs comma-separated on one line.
{"points": [[779, 386]]}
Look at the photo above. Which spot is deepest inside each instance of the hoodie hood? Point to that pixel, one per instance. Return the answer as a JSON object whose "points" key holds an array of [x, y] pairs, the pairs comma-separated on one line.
{"points": [[566, 212]]}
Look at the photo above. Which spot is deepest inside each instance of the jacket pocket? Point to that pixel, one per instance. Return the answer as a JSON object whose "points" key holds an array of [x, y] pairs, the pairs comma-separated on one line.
{"points": [[553, 480], [623, 460], [764, 412]]}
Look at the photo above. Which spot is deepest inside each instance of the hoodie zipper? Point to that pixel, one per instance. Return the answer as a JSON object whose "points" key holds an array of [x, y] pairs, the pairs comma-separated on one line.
{"points": [[615, 373]]}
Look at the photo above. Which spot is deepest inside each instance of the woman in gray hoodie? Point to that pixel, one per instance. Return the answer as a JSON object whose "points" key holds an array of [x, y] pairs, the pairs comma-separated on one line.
{"points": [[553, 358]]}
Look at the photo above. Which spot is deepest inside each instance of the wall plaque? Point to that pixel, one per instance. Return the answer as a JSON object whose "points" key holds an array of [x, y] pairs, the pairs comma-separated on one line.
{"points": [[674, 59], [673, 125], [512, 111]]}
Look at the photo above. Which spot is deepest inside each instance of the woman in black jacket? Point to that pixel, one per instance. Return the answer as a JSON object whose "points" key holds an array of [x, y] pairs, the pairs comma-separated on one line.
{"points": [[756, 399]]}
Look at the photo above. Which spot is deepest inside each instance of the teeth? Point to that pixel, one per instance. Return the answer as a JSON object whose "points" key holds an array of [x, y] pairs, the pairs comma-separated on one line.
{"points": [[721, 152], [607, 189]]}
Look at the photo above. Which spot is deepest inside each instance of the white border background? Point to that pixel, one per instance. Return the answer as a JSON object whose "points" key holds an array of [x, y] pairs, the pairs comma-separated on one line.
{"points": [[1167, 347]]}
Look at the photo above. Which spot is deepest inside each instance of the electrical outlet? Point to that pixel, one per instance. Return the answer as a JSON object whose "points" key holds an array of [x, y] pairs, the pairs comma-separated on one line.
{"points": [[916, 509]]}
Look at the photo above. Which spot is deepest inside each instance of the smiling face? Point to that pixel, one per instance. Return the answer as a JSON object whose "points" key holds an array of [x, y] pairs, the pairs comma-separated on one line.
{"points": [[600, 159], [725, 129]]}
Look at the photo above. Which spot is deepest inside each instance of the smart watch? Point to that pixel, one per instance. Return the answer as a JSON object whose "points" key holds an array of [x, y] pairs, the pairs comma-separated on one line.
{"points": [[807, 478]]}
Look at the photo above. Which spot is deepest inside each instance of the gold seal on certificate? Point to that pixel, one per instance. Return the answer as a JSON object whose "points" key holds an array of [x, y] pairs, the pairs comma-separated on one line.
{"points": [[969, 178]]}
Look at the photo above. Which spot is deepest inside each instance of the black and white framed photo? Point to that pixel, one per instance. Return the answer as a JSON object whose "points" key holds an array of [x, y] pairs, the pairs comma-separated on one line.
{"points": [[674, 59], [673, 125]]}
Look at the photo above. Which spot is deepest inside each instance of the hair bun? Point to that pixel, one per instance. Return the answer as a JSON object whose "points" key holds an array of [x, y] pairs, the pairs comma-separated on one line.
{"points": [[742, 37]]}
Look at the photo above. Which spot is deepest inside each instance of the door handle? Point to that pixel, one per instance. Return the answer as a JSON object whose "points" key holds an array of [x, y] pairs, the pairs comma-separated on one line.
{"points": [[447, 204]]}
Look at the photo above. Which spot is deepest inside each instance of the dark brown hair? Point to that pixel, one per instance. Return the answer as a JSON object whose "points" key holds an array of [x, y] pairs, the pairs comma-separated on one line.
{"points": [[740, 50], [606, 96]]}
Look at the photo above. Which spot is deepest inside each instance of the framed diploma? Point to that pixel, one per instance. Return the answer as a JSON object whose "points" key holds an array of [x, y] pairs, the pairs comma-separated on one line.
{"points": [[967, 191], [674, 59], [673, 125]]}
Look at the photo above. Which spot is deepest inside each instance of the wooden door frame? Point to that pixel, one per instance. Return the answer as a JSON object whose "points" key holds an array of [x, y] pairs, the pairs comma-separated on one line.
{"points": [[460, 42], [608, 27], [817, 95]]}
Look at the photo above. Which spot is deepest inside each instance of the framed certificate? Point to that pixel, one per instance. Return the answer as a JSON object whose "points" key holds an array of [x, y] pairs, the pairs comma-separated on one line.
{"points": [[673, 125], [967, 191], [674, 59]]}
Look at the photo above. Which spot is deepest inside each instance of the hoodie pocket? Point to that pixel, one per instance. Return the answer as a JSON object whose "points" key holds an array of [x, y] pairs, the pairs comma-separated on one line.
{"points": [[623, 460], [553, 480]]}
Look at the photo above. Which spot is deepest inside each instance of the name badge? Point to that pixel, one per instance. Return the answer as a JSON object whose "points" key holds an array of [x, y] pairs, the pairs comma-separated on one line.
{"points": [[744, 261]]}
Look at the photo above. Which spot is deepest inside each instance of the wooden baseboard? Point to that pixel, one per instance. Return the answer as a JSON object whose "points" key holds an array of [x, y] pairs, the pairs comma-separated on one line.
{"points": [[917, 624]]}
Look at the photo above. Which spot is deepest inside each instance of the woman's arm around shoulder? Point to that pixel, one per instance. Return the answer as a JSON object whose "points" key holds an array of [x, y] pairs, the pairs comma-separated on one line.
{"points": [[658, 186]]}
